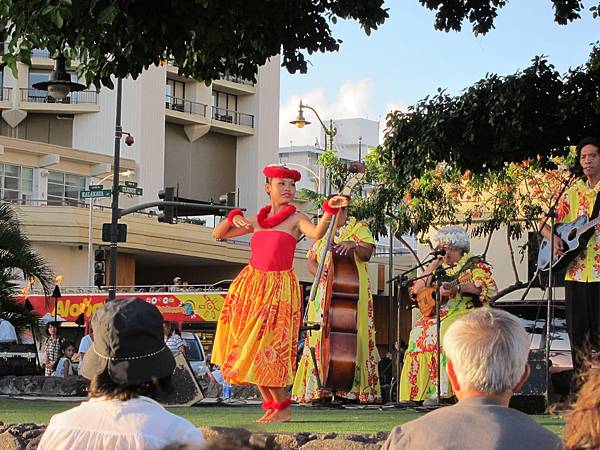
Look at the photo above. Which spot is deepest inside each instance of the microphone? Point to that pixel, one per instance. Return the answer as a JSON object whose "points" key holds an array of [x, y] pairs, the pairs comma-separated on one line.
{"points": [[438, 252]]}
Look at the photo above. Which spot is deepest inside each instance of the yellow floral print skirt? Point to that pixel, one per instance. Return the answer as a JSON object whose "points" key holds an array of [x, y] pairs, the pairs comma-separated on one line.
{"points": [[257, 333]]}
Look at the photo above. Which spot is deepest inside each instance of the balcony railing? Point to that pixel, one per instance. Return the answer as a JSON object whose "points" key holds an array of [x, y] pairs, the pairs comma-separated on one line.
{"points": [[235, 79], [40, 53], [185, 106], [74, 98], [5, 94], [233, 117]]}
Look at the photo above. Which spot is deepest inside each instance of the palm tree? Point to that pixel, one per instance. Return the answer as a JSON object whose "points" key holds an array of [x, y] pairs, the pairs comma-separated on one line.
{"points": [[18, 259]]}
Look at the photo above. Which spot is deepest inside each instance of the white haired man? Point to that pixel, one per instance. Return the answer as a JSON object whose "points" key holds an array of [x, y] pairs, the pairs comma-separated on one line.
{"points": [[487, 362], [418, 381]]}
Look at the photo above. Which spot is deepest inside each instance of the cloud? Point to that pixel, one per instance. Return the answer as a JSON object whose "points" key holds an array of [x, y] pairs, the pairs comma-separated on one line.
{"points": [[352, 100]]}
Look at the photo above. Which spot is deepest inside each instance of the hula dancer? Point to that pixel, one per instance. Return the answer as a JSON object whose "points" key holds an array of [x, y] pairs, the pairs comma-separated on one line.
{"points": [[257, 333]]}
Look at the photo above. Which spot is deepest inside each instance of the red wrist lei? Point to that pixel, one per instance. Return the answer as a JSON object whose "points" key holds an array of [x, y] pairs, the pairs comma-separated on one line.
{"points": [[232, 214], [329, 209], [275, 219]]}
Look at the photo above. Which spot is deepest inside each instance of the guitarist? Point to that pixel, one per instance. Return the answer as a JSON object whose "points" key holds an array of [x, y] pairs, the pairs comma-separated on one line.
{"points": [[418, 381], [582, 280]]}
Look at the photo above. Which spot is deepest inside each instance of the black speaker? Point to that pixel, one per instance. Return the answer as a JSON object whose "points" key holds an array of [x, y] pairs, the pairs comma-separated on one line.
{"points": [[531, 399]]}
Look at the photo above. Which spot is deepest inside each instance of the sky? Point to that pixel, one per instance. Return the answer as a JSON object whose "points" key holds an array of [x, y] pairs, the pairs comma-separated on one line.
{"points": [[407, 59]]}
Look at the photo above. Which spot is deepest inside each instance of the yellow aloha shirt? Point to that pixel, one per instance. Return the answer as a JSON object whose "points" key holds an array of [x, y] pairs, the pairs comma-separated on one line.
{"points": [[579, 200]]}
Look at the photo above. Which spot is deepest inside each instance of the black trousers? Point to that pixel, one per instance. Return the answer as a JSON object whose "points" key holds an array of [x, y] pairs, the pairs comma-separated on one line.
{"points": [[583, 319]]}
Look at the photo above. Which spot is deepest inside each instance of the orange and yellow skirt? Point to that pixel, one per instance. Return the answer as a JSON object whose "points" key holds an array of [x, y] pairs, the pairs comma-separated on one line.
{"points": [[257, 333]]}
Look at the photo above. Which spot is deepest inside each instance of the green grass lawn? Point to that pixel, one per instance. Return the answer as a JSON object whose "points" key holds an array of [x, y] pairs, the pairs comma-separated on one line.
{"points": [[313, 420]]}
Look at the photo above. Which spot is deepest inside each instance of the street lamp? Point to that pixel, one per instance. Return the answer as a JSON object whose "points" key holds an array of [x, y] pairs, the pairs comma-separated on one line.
{"points": [[59, 83], [126, 174], [300, 122]]}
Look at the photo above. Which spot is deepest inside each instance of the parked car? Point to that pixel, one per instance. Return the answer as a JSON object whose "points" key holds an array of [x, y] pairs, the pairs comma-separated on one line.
{"points": [[195, 354], [533, 315]]}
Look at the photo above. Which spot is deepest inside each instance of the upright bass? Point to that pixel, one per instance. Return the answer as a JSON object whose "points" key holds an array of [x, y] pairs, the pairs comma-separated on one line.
{"points": [[339, 323]]}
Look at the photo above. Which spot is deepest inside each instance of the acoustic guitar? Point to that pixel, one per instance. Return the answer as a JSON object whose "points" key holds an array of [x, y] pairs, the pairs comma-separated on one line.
{"points": [[426, 296], [575, 236]]}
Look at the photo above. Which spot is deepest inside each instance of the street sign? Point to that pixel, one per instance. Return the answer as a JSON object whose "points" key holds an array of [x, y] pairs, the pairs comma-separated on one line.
{"points": [[131, 183], [131, 190], [96, 187], [96, 194]]}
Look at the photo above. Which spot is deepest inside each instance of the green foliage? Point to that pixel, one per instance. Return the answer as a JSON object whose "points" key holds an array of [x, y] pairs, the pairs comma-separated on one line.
{"points": [[450, 14], [205, 38], [17, 256], [533, 115]]}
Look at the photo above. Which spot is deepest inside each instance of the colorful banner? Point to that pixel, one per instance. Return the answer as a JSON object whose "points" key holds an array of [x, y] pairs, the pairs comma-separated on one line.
{"points": [[175, 306]]}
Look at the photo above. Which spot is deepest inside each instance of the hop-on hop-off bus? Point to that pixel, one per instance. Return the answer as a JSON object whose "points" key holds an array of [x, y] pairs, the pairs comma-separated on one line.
{"points": [[193, 309]]}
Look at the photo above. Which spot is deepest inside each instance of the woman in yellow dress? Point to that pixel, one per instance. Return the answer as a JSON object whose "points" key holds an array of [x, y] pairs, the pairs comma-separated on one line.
{"points": [[418, 381], [257, 333], [352, 237]]}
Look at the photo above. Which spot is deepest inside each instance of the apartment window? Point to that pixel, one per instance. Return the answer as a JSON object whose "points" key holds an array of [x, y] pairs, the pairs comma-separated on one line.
{"points": [[284, 157], [223, 100], [64, 188], [175, 88], [16, 182]]}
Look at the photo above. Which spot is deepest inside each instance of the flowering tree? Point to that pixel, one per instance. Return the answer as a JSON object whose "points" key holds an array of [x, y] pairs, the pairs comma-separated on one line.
{"points": [[494, 156]]}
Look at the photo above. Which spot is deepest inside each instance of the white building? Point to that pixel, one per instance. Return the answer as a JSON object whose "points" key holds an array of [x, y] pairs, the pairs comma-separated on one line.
{"points": [[206, 140]]}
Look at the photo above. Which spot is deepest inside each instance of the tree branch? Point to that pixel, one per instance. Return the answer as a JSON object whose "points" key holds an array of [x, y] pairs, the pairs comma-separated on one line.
{"points": [[512, 255], [487, 245]]}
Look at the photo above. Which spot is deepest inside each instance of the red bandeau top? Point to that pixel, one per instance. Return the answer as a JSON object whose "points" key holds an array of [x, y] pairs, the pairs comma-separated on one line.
{"points": [[272, 250]]}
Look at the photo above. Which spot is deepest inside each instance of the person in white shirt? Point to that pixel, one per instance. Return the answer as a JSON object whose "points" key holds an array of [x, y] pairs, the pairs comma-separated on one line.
{"points": [[127, 364], [84, 346], [64, 367], [173, 340], [7, 331]]}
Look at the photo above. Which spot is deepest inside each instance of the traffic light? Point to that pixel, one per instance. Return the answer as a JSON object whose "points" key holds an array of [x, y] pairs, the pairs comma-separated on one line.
{"points": [[99, 268], [168, 212]]}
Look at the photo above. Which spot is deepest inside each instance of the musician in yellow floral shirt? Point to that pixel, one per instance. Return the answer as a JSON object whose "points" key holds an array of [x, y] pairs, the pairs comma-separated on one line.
{"points": [[352, 237], [582, 280]]}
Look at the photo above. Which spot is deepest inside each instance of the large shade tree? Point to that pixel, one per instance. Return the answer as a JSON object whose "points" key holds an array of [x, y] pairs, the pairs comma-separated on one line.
{"points": [[491, 158], [452, 14], [204, 38], [536, 112], [208, 38]]}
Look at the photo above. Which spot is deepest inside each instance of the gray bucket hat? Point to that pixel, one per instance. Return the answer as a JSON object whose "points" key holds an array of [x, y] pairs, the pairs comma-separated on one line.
{"points": [[129, 341]]}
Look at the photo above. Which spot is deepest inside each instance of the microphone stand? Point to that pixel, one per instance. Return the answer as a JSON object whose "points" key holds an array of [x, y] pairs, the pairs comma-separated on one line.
{"points": [[437, 275], [551, 217]]}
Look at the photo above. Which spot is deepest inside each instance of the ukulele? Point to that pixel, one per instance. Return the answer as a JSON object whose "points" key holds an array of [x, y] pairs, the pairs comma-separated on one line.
{"points": [[426, 296]]}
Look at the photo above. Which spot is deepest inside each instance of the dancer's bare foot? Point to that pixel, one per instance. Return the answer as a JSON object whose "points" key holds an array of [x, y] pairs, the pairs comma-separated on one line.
{"points": [[280, 415], [268, 413]]}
